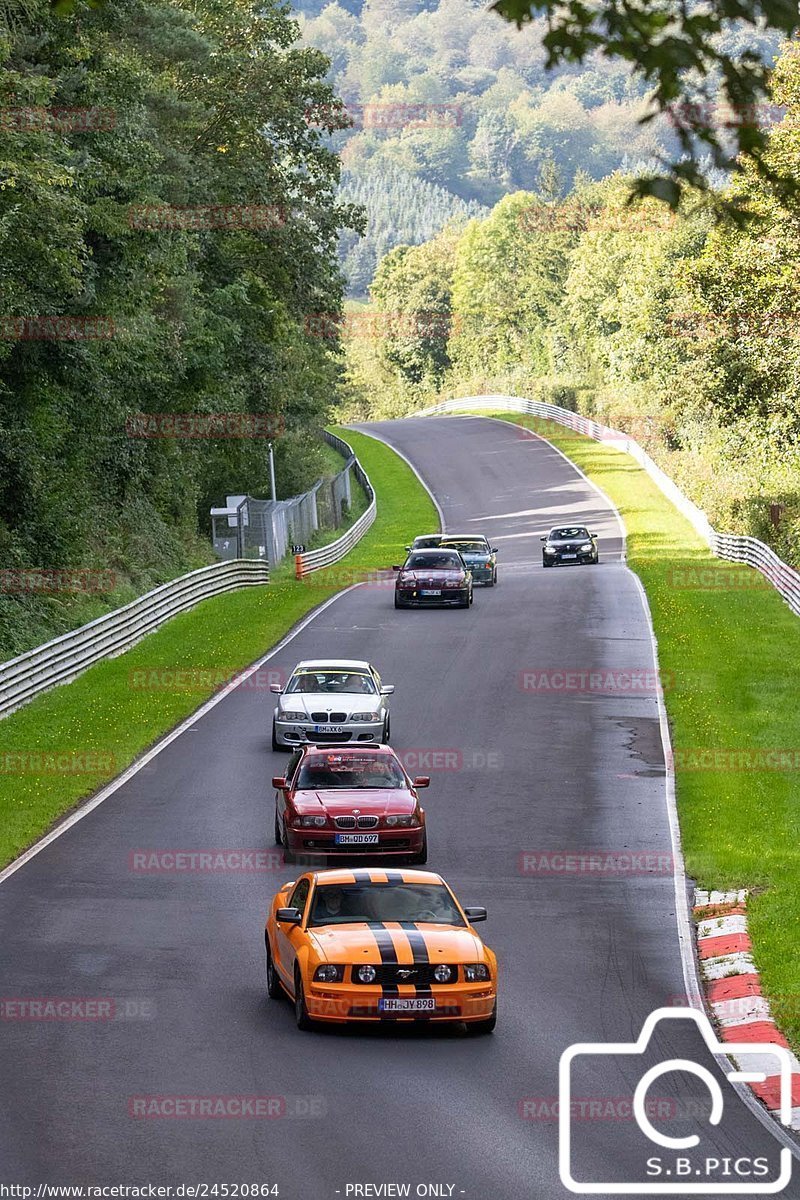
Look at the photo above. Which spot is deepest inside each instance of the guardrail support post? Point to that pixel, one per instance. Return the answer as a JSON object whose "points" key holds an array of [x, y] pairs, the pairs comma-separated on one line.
{"points": [[298, 566]]}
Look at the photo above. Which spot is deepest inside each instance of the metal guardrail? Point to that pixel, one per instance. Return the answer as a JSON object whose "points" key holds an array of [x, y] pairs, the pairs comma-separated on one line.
{"points": [[738, 548], [67, 656], [326, 556]]}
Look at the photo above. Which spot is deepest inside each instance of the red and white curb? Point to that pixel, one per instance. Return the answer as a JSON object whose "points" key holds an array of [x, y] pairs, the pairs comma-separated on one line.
{"points": [[733, 989]]}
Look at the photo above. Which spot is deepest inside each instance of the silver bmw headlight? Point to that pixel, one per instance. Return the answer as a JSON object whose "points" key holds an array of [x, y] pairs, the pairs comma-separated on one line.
{"points": [[365, 716], [291, 716]]}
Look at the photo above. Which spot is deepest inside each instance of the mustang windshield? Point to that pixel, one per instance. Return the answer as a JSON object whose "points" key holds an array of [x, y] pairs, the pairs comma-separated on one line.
{"points": [[429, 560], [349, 904], [332, 681], [323, 771], [569, 531]]}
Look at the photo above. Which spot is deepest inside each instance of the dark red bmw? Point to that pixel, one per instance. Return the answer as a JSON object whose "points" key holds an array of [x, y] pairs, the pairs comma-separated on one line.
{"points": [[433, 577], [349, 800]]}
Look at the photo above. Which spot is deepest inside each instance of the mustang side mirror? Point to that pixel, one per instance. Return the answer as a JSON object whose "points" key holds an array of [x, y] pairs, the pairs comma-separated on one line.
{"points": [[289, 916], [593, 535], [279, 781], [408, 547], [495, 550], [387, 689], [276, 688], [476, 913], [396, 567], [422, 781], [542, 539]]}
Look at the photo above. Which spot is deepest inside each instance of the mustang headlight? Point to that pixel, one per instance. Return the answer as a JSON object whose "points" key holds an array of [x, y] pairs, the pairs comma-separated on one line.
{"points": [[366, 973], [329, 973], [309, 822], [292, 716], [586, 546], [443, 974], [365, 716], [476, 972], [393, 820]]}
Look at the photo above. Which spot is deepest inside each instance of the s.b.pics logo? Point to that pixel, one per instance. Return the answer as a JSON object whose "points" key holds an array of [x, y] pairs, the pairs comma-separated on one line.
{"points": [[690, 1143]]}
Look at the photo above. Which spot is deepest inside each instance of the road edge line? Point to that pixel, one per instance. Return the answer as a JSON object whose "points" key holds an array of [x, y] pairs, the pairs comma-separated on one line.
{"points": [[109, 789]]}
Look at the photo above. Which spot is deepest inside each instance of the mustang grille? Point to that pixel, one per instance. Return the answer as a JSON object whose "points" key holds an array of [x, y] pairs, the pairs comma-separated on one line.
{"points": [[420, 974]]}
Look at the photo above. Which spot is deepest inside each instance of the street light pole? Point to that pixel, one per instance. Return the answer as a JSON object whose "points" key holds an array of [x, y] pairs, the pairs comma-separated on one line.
{"points": [[272, 472]]}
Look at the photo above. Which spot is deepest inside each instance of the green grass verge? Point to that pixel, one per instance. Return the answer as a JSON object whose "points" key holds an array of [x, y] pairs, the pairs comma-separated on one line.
{"points": [[729, 649], [105, 714]]}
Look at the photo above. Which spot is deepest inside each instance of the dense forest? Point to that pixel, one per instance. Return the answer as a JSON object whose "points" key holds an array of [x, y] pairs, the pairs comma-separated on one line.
{"points": [[444, 93], [676, 328], [162, 192]]}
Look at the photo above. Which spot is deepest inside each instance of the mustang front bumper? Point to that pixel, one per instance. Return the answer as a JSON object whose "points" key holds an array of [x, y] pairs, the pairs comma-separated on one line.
{"points": [[346, 1002]]}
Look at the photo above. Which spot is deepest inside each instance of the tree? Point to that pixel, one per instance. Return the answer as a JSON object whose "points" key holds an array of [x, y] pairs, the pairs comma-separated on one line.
{"points": [[675, 48]]}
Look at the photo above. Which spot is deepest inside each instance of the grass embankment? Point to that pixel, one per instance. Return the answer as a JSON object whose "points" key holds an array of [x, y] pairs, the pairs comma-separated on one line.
{"points": [[105, 713], [729, 648]]}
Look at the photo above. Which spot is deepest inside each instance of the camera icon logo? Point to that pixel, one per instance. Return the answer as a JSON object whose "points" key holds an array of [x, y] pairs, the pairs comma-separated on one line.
{"points": [[676, 1170]]}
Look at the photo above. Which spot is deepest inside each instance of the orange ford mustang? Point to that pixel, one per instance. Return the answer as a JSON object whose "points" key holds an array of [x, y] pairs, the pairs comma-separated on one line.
{"points": [[375, 945]]}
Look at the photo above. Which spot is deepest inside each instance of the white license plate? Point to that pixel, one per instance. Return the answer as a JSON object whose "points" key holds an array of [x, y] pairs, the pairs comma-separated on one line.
{"points": [[411, 1004], [356, 839], [569, 556], [430, 591], [329, 729]]}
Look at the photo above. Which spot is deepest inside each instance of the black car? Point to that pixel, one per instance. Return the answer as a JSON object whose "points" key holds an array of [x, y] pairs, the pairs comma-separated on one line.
{"points": [[569, 544], [433, 577]]}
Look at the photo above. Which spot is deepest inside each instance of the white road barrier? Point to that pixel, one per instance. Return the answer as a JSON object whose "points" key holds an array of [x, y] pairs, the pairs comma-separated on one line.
{"points": [[67, 656], [326, 556], [733, 547]]}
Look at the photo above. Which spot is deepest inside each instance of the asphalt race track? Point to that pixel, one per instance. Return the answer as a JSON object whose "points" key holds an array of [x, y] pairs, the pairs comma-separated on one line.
{"points": [[531, 770]]}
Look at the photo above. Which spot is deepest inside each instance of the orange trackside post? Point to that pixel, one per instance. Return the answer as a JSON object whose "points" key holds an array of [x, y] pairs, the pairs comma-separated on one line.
{"points": [[298, 566]]}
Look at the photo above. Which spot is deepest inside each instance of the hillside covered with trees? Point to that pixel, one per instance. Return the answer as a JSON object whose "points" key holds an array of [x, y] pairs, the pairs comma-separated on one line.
{"points": [[445, 94], [678, 329]]}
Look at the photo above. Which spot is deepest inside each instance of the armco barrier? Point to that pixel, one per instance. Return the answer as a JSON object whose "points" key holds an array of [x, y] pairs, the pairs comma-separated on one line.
{"points": [[67, 656], [733, 547], [313, 560]]}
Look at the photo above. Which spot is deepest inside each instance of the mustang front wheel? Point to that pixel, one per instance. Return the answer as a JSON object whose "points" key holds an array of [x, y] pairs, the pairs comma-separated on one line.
{"points": [[300, 1011], [476, 1028], [274, 990]]}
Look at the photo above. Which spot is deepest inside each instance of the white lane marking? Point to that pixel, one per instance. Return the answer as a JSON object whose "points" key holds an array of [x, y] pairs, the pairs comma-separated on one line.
{"points": [[186, 726], [595, 487], [376, 437]]}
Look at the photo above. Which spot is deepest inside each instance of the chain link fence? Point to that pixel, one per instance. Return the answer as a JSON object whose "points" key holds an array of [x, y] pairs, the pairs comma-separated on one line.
{"points": [[270, 529]]}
